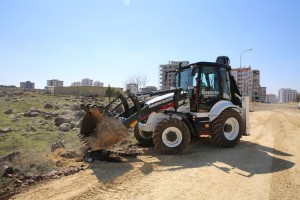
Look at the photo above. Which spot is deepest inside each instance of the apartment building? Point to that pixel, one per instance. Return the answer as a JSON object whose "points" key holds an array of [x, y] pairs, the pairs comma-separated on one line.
{"points": [[165, 82], [132, 88], [27, 85], [248, 82], [55, 83], [98, 83], [78, 83], [86, 82], [287, 95], [263, 94]]}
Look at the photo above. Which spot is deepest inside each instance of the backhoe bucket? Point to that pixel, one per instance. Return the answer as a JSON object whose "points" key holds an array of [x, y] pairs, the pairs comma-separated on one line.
{"points": [[100, 129]]}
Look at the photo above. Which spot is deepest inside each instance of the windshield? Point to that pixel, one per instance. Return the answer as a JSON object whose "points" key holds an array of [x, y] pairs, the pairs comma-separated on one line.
{"points": [[185, 78]]}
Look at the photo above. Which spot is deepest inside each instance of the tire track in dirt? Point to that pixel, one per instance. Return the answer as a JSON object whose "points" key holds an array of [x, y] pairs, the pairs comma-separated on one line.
{"points": [[286, 183]]}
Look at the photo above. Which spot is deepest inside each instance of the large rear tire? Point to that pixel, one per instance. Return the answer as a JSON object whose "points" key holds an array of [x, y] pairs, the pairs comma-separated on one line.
{"points": [[144, 138], [171, 136], [227, 129]]}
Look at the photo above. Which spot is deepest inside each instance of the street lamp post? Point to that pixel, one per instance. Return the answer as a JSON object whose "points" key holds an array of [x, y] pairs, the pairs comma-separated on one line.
{"points": [[242, 54], [245, 81]]}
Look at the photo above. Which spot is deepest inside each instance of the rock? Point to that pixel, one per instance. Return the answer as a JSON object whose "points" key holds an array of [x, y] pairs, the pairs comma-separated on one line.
{"points": [[5, 130], [30, 182], [9, 176], [48, 128], [8, 171], [18, 182], [57, 145], [52, 114], [65, 127], [66, 112], [63, 119], [59, 164], [38, 178], [11, 116], [8, 112], [31, 114], [14, 118], [41, 122], [32, 128], [80, 114], [75, 107], [72, 125], [52, 173], [78, 124], [70, 170], [48, 106], [70, 154], [47, 117], [56, 107]]}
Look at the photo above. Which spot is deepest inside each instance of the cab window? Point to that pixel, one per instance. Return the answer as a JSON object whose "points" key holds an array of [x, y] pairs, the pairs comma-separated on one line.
{"points": [[209, 85]]}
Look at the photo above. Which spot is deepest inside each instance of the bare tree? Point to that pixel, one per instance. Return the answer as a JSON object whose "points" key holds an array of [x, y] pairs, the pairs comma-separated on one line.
{"points": [[140, 80]]}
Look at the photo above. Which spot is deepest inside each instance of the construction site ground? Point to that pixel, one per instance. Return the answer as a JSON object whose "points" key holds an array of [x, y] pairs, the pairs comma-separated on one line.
{"points": [[264, 165]]}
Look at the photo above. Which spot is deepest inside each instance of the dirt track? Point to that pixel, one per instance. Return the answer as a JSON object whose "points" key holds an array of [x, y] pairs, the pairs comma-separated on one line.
{"points": [[265, 165]]}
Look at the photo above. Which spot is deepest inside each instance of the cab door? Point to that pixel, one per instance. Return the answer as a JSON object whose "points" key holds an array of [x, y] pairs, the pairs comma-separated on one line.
{"points": [[209, 87]]}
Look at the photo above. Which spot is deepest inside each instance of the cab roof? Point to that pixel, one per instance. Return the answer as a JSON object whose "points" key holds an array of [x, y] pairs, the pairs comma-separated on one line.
{"points": [[210, 64]]}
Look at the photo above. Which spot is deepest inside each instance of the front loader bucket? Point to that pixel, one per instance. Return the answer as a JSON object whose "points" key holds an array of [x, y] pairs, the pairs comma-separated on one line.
{"points": [[100, 129]]}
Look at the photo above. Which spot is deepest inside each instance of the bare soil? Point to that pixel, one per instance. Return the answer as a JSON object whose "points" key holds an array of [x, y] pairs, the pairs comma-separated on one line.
{"points": [[264, 165]]}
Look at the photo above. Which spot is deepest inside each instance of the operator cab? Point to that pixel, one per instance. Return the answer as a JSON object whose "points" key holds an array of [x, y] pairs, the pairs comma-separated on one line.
{"points": [[206, 83]]}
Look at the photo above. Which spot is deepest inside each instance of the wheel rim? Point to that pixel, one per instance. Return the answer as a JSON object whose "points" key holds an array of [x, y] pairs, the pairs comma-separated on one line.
{"points": [[172, 137], [145, 135], [231, 128]]}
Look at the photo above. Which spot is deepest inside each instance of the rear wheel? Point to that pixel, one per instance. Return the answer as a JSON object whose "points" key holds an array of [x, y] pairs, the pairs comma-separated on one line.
{"points": [[143, 137], [227, 129], [171, 136]]}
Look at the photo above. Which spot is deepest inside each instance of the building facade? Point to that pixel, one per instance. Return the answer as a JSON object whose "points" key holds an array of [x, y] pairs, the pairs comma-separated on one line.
{"points": [[55, 83], [27, 85], [86, 82], [132, 88], [78, 83], [167, 81], [263, 94], [248, 82], [286, 95], [98, 83]]}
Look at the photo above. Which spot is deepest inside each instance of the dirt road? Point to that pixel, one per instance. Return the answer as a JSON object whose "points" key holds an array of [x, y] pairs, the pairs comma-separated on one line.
{"points": [[265, 165]]}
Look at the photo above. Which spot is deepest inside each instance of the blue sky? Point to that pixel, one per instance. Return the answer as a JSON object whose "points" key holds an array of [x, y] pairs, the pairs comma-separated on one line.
{"points": [[112, 40]]}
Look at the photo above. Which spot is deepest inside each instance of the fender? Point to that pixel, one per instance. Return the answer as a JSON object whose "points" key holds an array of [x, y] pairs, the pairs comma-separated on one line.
{"points": [[153, 119], [219, 107]]}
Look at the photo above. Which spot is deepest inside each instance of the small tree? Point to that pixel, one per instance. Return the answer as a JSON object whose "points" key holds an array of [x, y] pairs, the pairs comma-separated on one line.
{"points": [[109, 92], [298, 98], [117, 93]]}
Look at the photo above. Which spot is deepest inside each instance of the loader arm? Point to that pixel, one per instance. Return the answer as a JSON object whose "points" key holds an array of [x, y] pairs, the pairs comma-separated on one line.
{"points": [[105, 126]]}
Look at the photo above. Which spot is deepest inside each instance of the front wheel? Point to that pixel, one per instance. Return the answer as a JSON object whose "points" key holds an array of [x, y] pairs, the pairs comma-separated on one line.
{"points": [[227, 129], [143, 137], [171, 136]]}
